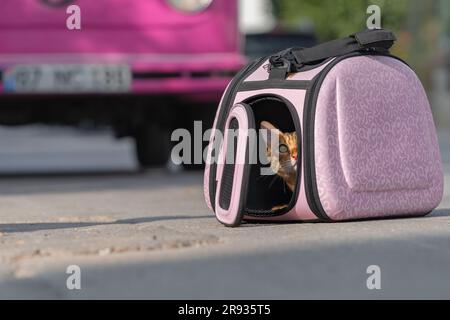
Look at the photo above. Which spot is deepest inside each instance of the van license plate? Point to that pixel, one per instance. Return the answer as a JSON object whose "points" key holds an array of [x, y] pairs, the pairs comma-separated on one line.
{"points": [[68, 78]]}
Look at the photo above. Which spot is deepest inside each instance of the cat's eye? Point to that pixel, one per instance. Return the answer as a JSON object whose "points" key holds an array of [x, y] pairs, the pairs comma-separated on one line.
{"points": [[283, 148]]}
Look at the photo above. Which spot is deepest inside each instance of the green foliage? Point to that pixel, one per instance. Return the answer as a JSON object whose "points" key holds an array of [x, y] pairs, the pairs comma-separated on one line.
{"points": [[338, 18]]}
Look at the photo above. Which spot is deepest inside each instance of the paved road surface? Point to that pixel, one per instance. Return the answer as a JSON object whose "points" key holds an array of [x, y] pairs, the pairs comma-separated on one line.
{"points": [[149, 235]]}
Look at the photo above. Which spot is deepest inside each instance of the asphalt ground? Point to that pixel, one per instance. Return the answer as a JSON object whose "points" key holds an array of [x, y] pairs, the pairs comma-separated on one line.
{"points": [[70, 198]]}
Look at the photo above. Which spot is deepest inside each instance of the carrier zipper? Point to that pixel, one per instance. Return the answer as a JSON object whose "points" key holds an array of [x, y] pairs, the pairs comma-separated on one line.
{"points": [[308, 147], [229, 96]]}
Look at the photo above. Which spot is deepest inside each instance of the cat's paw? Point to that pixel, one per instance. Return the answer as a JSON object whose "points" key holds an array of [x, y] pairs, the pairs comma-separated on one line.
{"points": [[279, 208]]}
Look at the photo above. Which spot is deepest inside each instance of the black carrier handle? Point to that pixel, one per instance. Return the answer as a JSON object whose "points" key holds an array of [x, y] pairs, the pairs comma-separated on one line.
{"points": [[291, 60]]}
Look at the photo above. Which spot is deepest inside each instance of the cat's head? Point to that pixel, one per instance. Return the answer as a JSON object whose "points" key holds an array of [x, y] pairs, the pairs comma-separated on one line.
{"points": [[282, 153]]}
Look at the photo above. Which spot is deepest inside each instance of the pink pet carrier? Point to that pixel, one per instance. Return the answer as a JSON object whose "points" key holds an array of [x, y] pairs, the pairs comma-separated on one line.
{"points": [[367, 144]]}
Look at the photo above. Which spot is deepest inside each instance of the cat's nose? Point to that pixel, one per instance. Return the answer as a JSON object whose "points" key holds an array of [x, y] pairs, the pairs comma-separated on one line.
{"points": [[294, 156]]}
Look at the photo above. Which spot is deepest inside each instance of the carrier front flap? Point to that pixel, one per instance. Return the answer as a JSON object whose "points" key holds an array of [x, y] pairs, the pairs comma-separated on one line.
{"points": [[233, 168]]}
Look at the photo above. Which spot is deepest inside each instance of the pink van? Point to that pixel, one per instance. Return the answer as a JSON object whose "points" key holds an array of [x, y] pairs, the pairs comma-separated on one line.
{"points": [[142, 66]]}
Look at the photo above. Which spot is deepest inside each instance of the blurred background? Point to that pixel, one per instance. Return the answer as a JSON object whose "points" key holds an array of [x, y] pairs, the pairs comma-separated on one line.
{"points": [[108, 96]]}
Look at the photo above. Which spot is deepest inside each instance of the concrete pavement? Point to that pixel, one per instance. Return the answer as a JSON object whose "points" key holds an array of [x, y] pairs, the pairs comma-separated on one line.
{"points": [[149, 235]]}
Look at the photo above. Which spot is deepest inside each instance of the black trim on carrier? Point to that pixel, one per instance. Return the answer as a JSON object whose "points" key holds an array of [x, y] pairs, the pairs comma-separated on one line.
{"points": [[298, 130], [177, 74], [274, 84]]}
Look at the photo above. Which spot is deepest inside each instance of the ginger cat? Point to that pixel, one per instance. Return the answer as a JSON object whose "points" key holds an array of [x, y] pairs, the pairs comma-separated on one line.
{"points": [[283, 156]]}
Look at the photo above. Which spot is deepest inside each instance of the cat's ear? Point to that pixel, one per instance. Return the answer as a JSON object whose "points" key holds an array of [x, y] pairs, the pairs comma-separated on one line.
{"points": [[272, 131]]}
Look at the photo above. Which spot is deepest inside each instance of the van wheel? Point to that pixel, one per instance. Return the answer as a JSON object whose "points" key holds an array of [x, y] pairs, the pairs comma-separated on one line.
{"points": [[152, 143]]}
